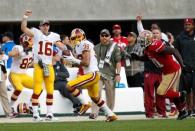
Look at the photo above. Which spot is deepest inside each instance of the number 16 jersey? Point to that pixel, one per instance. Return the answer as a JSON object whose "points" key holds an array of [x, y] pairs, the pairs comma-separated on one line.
{"points": [[43, 45]]}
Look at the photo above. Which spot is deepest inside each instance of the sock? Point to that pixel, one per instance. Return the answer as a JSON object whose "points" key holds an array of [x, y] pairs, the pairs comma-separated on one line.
{"points": [[49, 109], [35, 111], [12, 103], [106, 110], [82, 99]]}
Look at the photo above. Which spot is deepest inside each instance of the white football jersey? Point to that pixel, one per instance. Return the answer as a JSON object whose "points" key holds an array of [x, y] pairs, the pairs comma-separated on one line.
{"points": [[43, 45], [86, 45], [20, 64]]}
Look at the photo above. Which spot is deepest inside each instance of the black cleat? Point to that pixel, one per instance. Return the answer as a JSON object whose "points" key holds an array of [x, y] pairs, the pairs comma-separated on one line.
{"points": [[182, 115]]}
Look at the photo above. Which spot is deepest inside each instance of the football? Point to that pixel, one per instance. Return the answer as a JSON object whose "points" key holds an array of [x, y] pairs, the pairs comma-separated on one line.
{"points": [[66, 52]]}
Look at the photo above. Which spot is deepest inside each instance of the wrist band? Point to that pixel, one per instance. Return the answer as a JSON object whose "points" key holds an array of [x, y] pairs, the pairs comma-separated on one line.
{"points": [[25, 16]]}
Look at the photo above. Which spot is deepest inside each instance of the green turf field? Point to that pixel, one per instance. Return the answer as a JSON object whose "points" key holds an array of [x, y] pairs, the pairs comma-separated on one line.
{"points": [[131, 125]]}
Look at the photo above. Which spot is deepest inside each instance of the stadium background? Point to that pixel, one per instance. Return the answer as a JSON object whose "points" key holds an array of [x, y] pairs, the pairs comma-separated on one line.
{"points": [[94, 15]]}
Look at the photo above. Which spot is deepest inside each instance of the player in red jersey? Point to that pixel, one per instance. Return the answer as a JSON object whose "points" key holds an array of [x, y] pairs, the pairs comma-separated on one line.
{"points": [[170, 61]]}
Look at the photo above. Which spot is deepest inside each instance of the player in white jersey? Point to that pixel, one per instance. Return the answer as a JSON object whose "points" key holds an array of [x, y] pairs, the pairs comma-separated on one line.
{"points": [[22, 59], [43, 69], [88, 74]]}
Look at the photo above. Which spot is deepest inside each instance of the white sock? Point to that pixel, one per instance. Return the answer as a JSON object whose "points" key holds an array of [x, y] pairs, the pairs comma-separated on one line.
{"points": [[49, 109], [106, 110], [12, 103], [82, 99], [35, 111]]}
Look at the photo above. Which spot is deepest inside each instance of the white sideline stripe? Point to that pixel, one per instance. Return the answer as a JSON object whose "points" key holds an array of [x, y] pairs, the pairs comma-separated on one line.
{"points": [[77, 119]]}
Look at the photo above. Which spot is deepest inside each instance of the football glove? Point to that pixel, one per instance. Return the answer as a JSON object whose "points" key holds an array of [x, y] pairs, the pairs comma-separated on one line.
{"points": [[71, 58]]}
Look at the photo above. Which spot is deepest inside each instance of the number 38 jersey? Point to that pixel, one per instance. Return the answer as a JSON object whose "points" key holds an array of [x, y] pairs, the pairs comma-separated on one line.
{"points": [[43, 45], [85, 45], [20, 64]]}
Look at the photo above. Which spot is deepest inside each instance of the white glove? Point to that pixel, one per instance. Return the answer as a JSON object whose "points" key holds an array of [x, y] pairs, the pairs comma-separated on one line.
{"points": [[71, 58]]}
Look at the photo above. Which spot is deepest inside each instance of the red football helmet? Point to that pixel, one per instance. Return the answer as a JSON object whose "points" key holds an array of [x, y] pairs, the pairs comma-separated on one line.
{"points": [[26, 41]]}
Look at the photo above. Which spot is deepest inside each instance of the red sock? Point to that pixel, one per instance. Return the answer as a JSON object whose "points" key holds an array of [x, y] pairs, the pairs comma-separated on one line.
{"points": [[172, 94]]}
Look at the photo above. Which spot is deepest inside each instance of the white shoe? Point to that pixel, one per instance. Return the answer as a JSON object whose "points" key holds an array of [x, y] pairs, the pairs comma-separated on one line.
{"points": [[50, 117], [37, 118]]}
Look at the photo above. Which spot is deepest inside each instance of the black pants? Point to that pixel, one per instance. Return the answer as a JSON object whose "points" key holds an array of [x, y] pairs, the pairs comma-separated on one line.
{"points": [[135, 80], [61, 86], [187, 82]]}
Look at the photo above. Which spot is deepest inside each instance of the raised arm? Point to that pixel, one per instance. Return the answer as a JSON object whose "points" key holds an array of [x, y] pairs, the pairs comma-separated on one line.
{"points": [[24, 27], [140, 27]]}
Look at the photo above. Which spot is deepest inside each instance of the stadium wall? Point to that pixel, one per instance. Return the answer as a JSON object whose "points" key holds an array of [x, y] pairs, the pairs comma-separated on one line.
{"points": [[89, 10]]}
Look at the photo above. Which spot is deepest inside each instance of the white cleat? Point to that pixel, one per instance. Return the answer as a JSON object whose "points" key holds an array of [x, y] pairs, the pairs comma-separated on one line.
{"points": [[37, 118], [50, 117]]}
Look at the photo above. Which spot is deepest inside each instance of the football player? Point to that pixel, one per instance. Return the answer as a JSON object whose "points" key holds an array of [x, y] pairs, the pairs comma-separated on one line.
{"points": [[22, 59], [43, 69], [170, 61], [88, 74]]}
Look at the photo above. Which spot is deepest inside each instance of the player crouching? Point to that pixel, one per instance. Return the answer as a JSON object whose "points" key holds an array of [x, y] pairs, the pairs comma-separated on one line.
{"points": [[89, 75]]}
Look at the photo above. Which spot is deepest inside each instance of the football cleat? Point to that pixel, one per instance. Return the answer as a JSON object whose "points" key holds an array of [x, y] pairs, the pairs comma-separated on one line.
{"points": [[37, 118], [182, 114], [50, 117], [111, 118], [12, 115], [84, 108]]}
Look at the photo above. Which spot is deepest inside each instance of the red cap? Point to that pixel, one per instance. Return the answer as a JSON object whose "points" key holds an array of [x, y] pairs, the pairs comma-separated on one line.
{"points": [[116, 26], [189, 20]]}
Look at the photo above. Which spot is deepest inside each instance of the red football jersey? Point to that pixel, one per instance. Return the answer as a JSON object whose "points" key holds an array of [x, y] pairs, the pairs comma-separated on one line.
{"points": [[121, 41], [166, 62]]}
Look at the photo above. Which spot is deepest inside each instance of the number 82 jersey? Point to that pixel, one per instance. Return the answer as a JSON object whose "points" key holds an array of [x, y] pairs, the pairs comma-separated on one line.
{"points": [[20, 64]]}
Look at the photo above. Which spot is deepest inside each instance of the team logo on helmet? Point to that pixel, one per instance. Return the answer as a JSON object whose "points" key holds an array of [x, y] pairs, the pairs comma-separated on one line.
{"points": [[145, 38], [26, 41], [77, 35]]}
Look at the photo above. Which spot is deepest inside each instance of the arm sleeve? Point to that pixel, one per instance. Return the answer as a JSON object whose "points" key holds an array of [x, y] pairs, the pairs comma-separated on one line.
{"points": [[140, 27], [117, 54]]}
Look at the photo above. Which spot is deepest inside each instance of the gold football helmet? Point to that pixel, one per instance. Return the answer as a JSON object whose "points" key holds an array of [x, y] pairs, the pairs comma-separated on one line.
{"points": [[145, 38], [77, 35]]}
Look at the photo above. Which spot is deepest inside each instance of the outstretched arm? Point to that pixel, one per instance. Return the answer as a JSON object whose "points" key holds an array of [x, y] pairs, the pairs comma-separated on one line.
{"points": [[24, 27]]}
